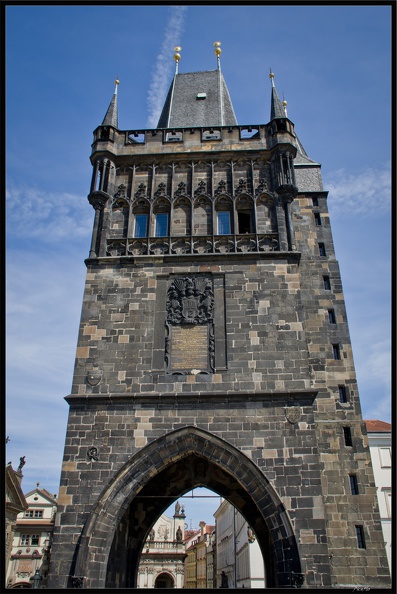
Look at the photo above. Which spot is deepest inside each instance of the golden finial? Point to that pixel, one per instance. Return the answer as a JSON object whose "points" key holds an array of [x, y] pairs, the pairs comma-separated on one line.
{"points": [[271, 76], [116, 82], [177, 57], [217, 52], [217, 46]]}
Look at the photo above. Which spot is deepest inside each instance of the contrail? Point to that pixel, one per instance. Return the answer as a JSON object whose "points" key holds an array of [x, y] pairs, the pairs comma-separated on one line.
{"points": [[164, 64]]}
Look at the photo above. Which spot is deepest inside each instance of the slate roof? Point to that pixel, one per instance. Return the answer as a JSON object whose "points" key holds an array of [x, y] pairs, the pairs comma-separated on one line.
{"points": [[276, 108], [111, 117], [377, 426], [197, 99]]}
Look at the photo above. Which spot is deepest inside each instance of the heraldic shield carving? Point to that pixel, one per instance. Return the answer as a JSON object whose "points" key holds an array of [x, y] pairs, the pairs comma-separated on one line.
{"points": [[190, 300], [190, 343]]}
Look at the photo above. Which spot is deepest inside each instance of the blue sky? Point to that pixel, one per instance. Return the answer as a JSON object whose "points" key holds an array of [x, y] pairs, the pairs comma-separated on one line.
{"points": [[332, 65]]}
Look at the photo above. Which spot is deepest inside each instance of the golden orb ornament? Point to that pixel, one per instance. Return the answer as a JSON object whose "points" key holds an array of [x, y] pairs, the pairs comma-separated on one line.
{"points": [[177, 55], [284, 103], [217, 47]]}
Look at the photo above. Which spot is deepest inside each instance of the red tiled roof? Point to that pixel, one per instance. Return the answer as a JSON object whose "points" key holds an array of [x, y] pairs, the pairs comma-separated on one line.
{"points": [[377, 426]]}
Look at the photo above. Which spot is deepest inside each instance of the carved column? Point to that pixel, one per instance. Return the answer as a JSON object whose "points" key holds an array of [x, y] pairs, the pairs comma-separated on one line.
{"points": [[281, 225], [97, 201], [288, 221], [94, 176]]}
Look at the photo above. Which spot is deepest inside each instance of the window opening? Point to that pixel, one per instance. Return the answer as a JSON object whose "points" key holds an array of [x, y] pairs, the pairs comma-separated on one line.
{"points": [[331, 316], [247, 133], [342, 394], [353, 484], [321, 249], [224, 226], [317, 219], [315, 201], [161, 224], [24, 539], [336, 351], [141, 221], [347, 434], [327, 283], [35, 539], [360, 537], [244, 222], [136, 138]]}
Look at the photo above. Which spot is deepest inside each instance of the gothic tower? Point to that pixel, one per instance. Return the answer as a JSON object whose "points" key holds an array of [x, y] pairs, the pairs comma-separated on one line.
{"points": [[214, 351]]}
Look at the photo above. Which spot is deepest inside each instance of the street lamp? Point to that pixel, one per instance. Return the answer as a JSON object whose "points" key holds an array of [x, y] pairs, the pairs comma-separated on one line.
{"points": [[36, 579]]}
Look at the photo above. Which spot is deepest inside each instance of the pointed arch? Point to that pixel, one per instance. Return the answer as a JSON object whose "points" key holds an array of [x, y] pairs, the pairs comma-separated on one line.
{"points": [[181, 223], [202, 215], [172, 465], [266, 215]]}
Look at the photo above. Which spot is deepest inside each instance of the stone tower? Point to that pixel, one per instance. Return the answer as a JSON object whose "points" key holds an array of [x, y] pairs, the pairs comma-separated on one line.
{"points": [[214, 351]]}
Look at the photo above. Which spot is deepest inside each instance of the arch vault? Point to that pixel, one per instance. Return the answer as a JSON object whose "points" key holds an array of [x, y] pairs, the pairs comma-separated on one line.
{"points": [[114, 534]]}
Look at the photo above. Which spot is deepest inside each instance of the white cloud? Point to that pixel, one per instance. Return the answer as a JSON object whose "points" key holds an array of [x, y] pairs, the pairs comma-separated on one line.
{"points": [[163, 67], [367, 193], [50, 216]]}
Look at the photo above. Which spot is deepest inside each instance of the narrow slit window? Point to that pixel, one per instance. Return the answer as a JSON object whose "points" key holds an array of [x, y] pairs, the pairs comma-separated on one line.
{"points": [[327, 283], [347, 434], [315, 201], [353, 484], [360, 537], [321, 249], [342, 394], [317, 219], [331, 316], [336, 351]]}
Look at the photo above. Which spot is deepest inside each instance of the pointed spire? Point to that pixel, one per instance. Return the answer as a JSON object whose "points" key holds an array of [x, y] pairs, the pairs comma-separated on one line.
{"points": [[277, 110], [111, 117]]}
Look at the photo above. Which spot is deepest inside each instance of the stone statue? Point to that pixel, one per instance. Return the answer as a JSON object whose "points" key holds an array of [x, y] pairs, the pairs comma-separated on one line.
{"points": [[179, 534], [21, 463], [177, 508], [224, 581]]}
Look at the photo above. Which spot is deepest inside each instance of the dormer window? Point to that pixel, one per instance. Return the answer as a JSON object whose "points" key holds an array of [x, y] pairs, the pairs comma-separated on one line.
{"points": [[201, 96]]}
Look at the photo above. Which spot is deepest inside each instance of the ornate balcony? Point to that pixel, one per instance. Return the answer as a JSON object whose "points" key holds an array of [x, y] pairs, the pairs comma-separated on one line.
{"points": [[194, 244]]}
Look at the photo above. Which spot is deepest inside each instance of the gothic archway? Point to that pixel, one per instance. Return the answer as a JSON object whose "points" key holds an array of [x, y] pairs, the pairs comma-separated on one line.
{"points": [[114, 534]]}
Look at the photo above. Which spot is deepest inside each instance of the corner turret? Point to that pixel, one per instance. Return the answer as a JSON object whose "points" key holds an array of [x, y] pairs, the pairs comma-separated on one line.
{"points": [[111, 117]]}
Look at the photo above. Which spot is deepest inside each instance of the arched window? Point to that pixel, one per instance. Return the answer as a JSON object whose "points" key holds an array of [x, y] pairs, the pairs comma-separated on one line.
{"points": [[202, 216], [119, 218], [224, 218], [161, 211], [181, 217], [265, 215], [245, 215], [141, 212]]}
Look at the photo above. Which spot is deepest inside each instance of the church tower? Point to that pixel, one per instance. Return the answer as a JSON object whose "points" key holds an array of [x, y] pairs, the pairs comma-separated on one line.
{"points": [[214, 351]]}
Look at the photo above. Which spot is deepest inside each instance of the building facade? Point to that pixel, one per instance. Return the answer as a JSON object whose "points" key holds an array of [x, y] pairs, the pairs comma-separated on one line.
{"points": [[214, 350], [379, 439], [31, 546], [15, 504], [163, 555], [238, 555]]}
